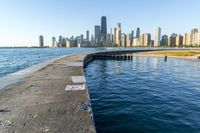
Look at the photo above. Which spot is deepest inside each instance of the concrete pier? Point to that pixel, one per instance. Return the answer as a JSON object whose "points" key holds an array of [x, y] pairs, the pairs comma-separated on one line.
{"points": [[54, 99]]}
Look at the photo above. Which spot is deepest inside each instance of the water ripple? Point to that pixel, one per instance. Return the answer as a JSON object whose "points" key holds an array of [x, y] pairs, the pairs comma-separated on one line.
{"points": [[145, 95]]}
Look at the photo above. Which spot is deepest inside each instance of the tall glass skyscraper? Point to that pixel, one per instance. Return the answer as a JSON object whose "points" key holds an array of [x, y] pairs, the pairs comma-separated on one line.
{"points": [[41, 41], [138, 33], [97, 33], [103, 28], [157, 36]]}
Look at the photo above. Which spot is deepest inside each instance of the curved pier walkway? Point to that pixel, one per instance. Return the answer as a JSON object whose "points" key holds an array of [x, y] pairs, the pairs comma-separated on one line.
{"points": [[43, 101]]}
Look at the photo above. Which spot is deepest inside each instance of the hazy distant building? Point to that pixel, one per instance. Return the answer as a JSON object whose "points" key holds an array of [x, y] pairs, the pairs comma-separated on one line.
{"points": [[93, 42], [141, 40], [128, 40], [103, 29], [194, 37], [118, 35], [54, 43], [157, 37], [41, 41], [132, 34], [114, 35], [68, 43], [164, 41], [138, 33], [185, 39], [123, 44], [179, 40], [108, 40], [172, 40], [147, 39], [63, 43], [97, 34], [87, 35], [135, 42]]}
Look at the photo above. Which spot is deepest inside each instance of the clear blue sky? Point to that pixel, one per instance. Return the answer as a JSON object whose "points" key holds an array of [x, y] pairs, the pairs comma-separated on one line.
{"points": [[22, 21]]}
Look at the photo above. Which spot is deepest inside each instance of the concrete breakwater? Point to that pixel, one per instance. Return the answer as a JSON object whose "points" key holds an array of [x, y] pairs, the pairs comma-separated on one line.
{"points": [[54, 98]]}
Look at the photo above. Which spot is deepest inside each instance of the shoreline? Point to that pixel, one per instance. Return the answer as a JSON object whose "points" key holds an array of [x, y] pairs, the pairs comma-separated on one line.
{"points": [[19, 75], [162, 54]]}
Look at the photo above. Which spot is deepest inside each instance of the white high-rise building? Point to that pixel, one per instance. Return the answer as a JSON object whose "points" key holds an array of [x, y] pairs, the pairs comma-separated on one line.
{"points": [[157, 37], [128, 40], [135, 42], [118, 35]]}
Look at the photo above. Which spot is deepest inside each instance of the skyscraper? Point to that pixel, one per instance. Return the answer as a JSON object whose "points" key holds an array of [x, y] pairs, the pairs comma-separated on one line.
{"points": [[172, 40], [87, 35], [97, 34], [138, 33], [41, 41], [123, 40], [114, 36], [103, 28], [54, 43], [118, 35], [128, 40], [179, 40], [147, 39], [164, 41], [157, 37]]}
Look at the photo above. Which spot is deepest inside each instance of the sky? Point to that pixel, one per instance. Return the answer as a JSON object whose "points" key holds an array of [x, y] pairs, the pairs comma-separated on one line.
{"points": [[22, 21]]}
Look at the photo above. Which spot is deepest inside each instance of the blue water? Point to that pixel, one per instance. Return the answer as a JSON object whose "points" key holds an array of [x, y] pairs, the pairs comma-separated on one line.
{"points": [[145, 95], [15, 59]]}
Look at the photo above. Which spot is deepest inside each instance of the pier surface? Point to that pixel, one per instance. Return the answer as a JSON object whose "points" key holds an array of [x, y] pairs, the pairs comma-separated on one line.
{"points": [[40, 103]]}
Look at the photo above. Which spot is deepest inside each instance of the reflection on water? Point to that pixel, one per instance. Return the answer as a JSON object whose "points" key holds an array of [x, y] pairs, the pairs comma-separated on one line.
{"points": [[145, 95]]}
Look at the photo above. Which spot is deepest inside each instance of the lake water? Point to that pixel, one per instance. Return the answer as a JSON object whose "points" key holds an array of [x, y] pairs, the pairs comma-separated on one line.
{"points": [[145, 95], [15, 59]]}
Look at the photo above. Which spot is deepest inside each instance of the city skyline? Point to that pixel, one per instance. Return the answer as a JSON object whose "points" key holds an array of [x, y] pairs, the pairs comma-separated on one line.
{"points": [[23, 21]]}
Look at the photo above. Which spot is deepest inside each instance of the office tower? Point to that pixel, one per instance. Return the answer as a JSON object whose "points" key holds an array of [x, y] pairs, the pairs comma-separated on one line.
{"points": [[118, 35], [111, 36], [157, 37], [93, 41], [114, 36], [82, 38], [194, 37], [185, 39], [138, 33], [97, 34], [63, 43], [41, 41], [123, 40], [141, 40], [103, 29], [59, 41], [164, 41], [135, 42], [87, 35], [147, 39], [179, 40], [132, 35], [68, 43], [108, 40], [54, 43], [128, 40], [172, 40]]}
